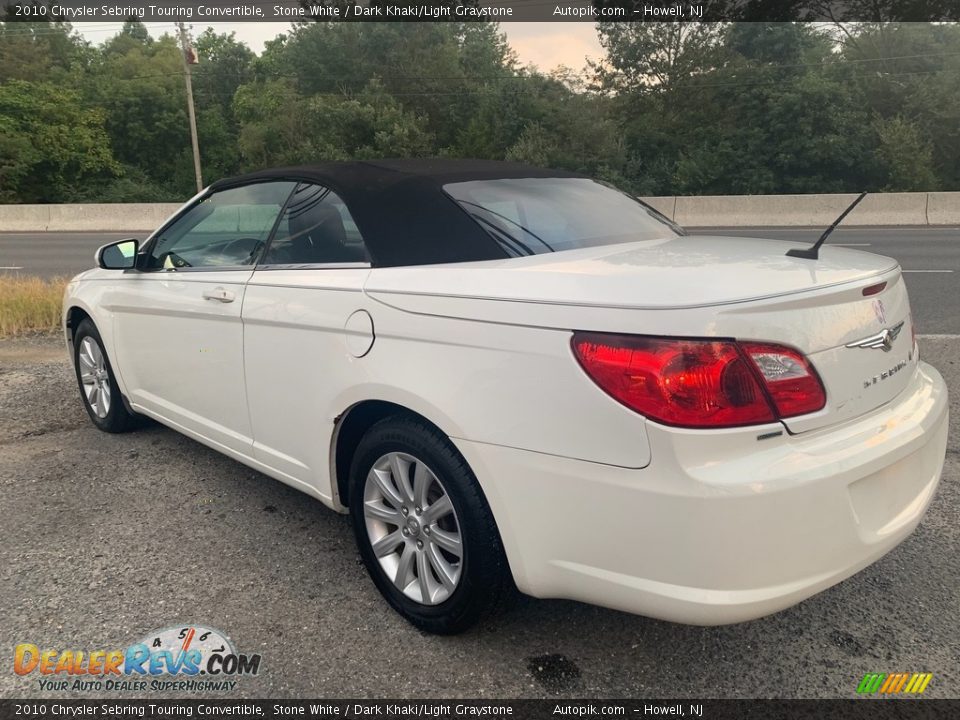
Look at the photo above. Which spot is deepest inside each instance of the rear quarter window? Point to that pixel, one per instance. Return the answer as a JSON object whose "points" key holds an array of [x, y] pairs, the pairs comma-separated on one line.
{"points": [[528, 216]]}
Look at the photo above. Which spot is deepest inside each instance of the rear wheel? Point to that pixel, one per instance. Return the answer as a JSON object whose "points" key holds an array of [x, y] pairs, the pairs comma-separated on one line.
{"points": [[424, 529], [98, 385]]}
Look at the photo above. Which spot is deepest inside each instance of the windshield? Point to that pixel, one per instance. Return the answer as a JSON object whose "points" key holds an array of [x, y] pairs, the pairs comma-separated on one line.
{"points": [[529, 216]]}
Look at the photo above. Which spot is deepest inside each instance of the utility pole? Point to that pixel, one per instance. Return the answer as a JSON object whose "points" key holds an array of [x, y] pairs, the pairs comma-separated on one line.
{"points": [[185, 49]]}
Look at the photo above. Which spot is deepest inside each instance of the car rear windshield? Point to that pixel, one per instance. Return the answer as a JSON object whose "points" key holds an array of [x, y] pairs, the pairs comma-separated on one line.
{"points": [[529, 216]]}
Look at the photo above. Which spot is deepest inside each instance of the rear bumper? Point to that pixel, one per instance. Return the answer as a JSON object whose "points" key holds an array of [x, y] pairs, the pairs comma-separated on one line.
{"points": [[721, 527]]}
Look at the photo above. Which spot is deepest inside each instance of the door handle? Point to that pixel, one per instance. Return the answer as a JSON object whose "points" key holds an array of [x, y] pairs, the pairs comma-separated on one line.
{"points": [[219, 293]]}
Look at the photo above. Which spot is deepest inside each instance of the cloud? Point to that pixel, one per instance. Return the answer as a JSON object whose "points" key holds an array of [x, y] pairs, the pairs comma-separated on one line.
{"points": [[547, 45], [544, 44]]}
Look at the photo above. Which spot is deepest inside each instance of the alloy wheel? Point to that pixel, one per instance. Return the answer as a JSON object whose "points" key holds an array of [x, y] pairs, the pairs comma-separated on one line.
{"points": [[413, 528], [94, 376]]}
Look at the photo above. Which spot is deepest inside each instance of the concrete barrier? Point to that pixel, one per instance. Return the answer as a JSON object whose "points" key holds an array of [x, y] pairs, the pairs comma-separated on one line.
{"points": [[94, 217], [940, 208], [665, 205], [943, 208], [935, 208], [802, 210]]}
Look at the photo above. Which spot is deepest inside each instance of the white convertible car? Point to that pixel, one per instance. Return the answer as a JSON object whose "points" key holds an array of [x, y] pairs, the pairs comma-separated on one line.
{"points": [[515, 376]]}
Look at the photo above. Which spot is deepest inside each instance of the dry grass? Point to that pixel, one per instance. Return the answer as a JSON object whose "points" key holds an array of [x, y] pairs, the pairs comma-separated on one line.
{"points": [[29, 304]]}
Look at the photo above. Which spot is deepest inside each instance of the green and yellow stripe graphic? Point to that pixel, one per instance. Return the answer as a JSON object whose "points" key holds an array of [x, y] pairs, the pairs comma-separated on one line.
{"points": [[891, 683]]}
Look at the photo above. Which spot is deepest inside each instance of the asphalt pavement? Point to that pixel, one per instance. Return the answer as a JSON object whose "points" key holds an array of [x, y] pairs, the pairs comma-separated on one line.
{"points": [[930, 257], [104, 538]]}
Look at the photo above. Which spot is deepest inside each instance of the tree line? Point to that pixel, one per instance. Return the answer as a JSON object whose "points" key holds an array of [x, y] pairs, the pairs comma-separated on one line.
{"points": [[713, 108]]}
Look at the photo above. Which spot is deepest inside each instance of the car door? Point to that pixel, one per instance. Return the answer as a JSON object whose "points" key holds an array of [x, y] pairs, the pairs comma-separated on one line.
{"points": [[306, 321], [177, 319]]}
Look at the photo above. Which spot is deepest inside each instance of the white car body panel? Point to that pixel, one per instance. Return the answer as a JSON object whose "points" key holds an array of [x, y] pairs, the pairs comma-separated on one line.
{"points": [[702, 526], [818, 311], [180, 350], [720, 528], [652, 274], [298, 366]]}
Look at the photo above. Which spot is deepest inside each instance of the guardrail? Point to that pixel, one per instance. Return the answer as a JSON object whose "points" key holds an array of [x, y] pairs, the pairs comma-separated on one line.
{"points": [[934, 208]]}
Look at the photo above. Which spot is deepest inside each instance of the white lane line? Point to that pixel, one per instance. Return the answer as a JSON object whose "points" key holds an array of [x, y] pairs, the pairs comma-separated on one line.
{"points": [[928, 271], [937, 337], [11, 267]]}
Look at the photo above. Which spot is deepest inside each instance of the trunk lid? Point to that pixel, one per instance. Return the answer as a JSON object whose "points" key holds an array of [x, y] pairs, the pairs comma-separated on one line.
{"points": [[695, 286], [688, 271], [871, 358]]}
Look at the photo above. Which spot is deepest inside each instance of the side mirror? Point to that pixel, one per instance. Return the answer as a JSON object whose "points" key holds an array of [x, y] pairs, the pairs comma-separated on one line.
{"points": [[121, 255]]}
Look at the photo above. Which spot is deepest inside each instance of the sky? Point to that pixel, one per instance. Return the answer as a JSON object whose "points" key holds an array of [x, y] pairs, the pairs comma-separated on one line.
{"points": [[543, 44]]}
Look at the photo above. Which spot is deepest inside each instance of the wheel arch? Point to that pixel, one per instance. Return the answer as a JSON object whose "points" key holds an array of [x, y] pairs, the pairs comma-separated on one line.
{"points": [[72, 319], [351, 425], [73, 316]]}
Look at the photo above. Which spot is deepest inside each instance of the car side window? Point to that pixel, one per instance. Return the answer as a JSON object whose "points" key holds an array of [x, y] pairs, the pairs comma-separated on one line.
{"points": [[316, 228], [226, 229]]}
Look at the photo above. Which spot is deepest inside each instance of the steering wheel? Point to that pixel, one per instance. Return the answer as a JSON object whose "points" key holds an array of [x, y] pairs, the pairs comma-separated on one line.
{"points": [[254, 244]]}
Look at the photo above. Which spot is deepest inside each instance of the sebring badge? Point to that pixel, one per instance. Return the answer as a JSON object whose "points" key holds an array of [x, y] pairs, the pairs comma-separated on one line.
{"points": [[888, 373], [883, 340]]}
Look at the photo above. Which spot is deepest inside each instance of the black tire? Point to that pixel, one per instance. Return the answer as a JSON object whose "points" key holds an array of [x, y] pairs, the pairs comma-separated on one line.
{"points": [[485, 582], [117, 419]]}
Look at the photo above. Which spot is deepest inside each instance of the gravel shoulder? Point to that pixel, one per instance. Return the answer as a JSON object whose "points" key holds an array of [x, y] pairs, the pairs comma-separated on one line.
{"points": [[106, 537]]}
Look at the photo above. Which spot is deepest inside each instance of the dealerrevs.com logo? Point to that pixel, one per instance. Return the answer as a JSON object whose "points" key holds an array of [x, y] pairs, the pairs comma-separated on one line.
{"points": [[187, 658]]}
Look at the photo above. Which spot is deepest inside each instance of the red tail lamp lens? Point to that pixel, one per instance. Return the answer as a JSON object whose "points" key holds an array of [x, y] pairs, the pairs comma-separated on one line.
{"points": [[688, 383], [700, 383]]}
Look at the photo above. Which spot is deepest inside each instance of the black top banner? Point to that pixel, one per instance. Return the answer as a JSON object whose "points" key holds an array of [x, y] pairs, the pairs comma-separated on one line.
{"points": [[75, 11]]}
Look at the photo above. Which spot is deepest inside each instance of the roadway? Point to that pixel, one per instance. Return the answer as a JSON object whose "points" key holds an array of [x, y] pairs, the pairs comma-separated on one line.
{"points": [[930, 257]]}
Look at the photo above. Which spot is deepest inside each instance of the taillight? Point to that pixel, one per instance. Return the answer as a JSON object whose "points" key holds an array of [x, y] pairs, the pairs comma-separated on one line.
{"points": [[700, 383], [792, 383]]}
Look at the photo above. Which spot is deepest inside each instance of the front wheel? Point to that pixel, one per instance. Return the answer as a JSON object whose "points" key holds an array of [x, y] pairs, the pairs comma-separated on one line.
{"points": [[98, 386], [424, 529]]}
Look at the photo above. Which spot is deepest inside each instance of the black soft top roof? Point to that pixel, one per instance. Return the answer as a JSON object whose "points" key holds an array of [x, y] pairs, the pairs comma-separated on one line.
{"points": [[400, 207]]}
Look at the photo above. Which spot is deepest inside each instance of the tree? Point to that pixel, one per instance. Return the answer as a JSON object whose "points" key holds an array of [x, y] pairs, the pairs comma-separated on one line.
{"points": [[911, 71], [786, 107], [279, 126], [906, 155], [139, 85], [133, 36], [738, 107], [49, 143], [225, 65], [439, 71], [657, 57], [38, 51]]}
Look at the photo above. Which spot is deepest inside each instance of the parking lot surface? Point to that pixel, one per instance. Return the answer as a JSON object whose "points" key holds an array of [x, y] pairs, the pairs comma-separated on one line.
{"points": [[107, 537]]}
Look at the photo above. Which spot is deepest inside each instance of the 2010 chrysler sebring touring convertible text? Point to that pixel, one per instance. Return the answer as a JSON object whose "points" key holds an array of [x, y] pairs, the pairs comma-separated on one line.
{"points": [[513, 375]]}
